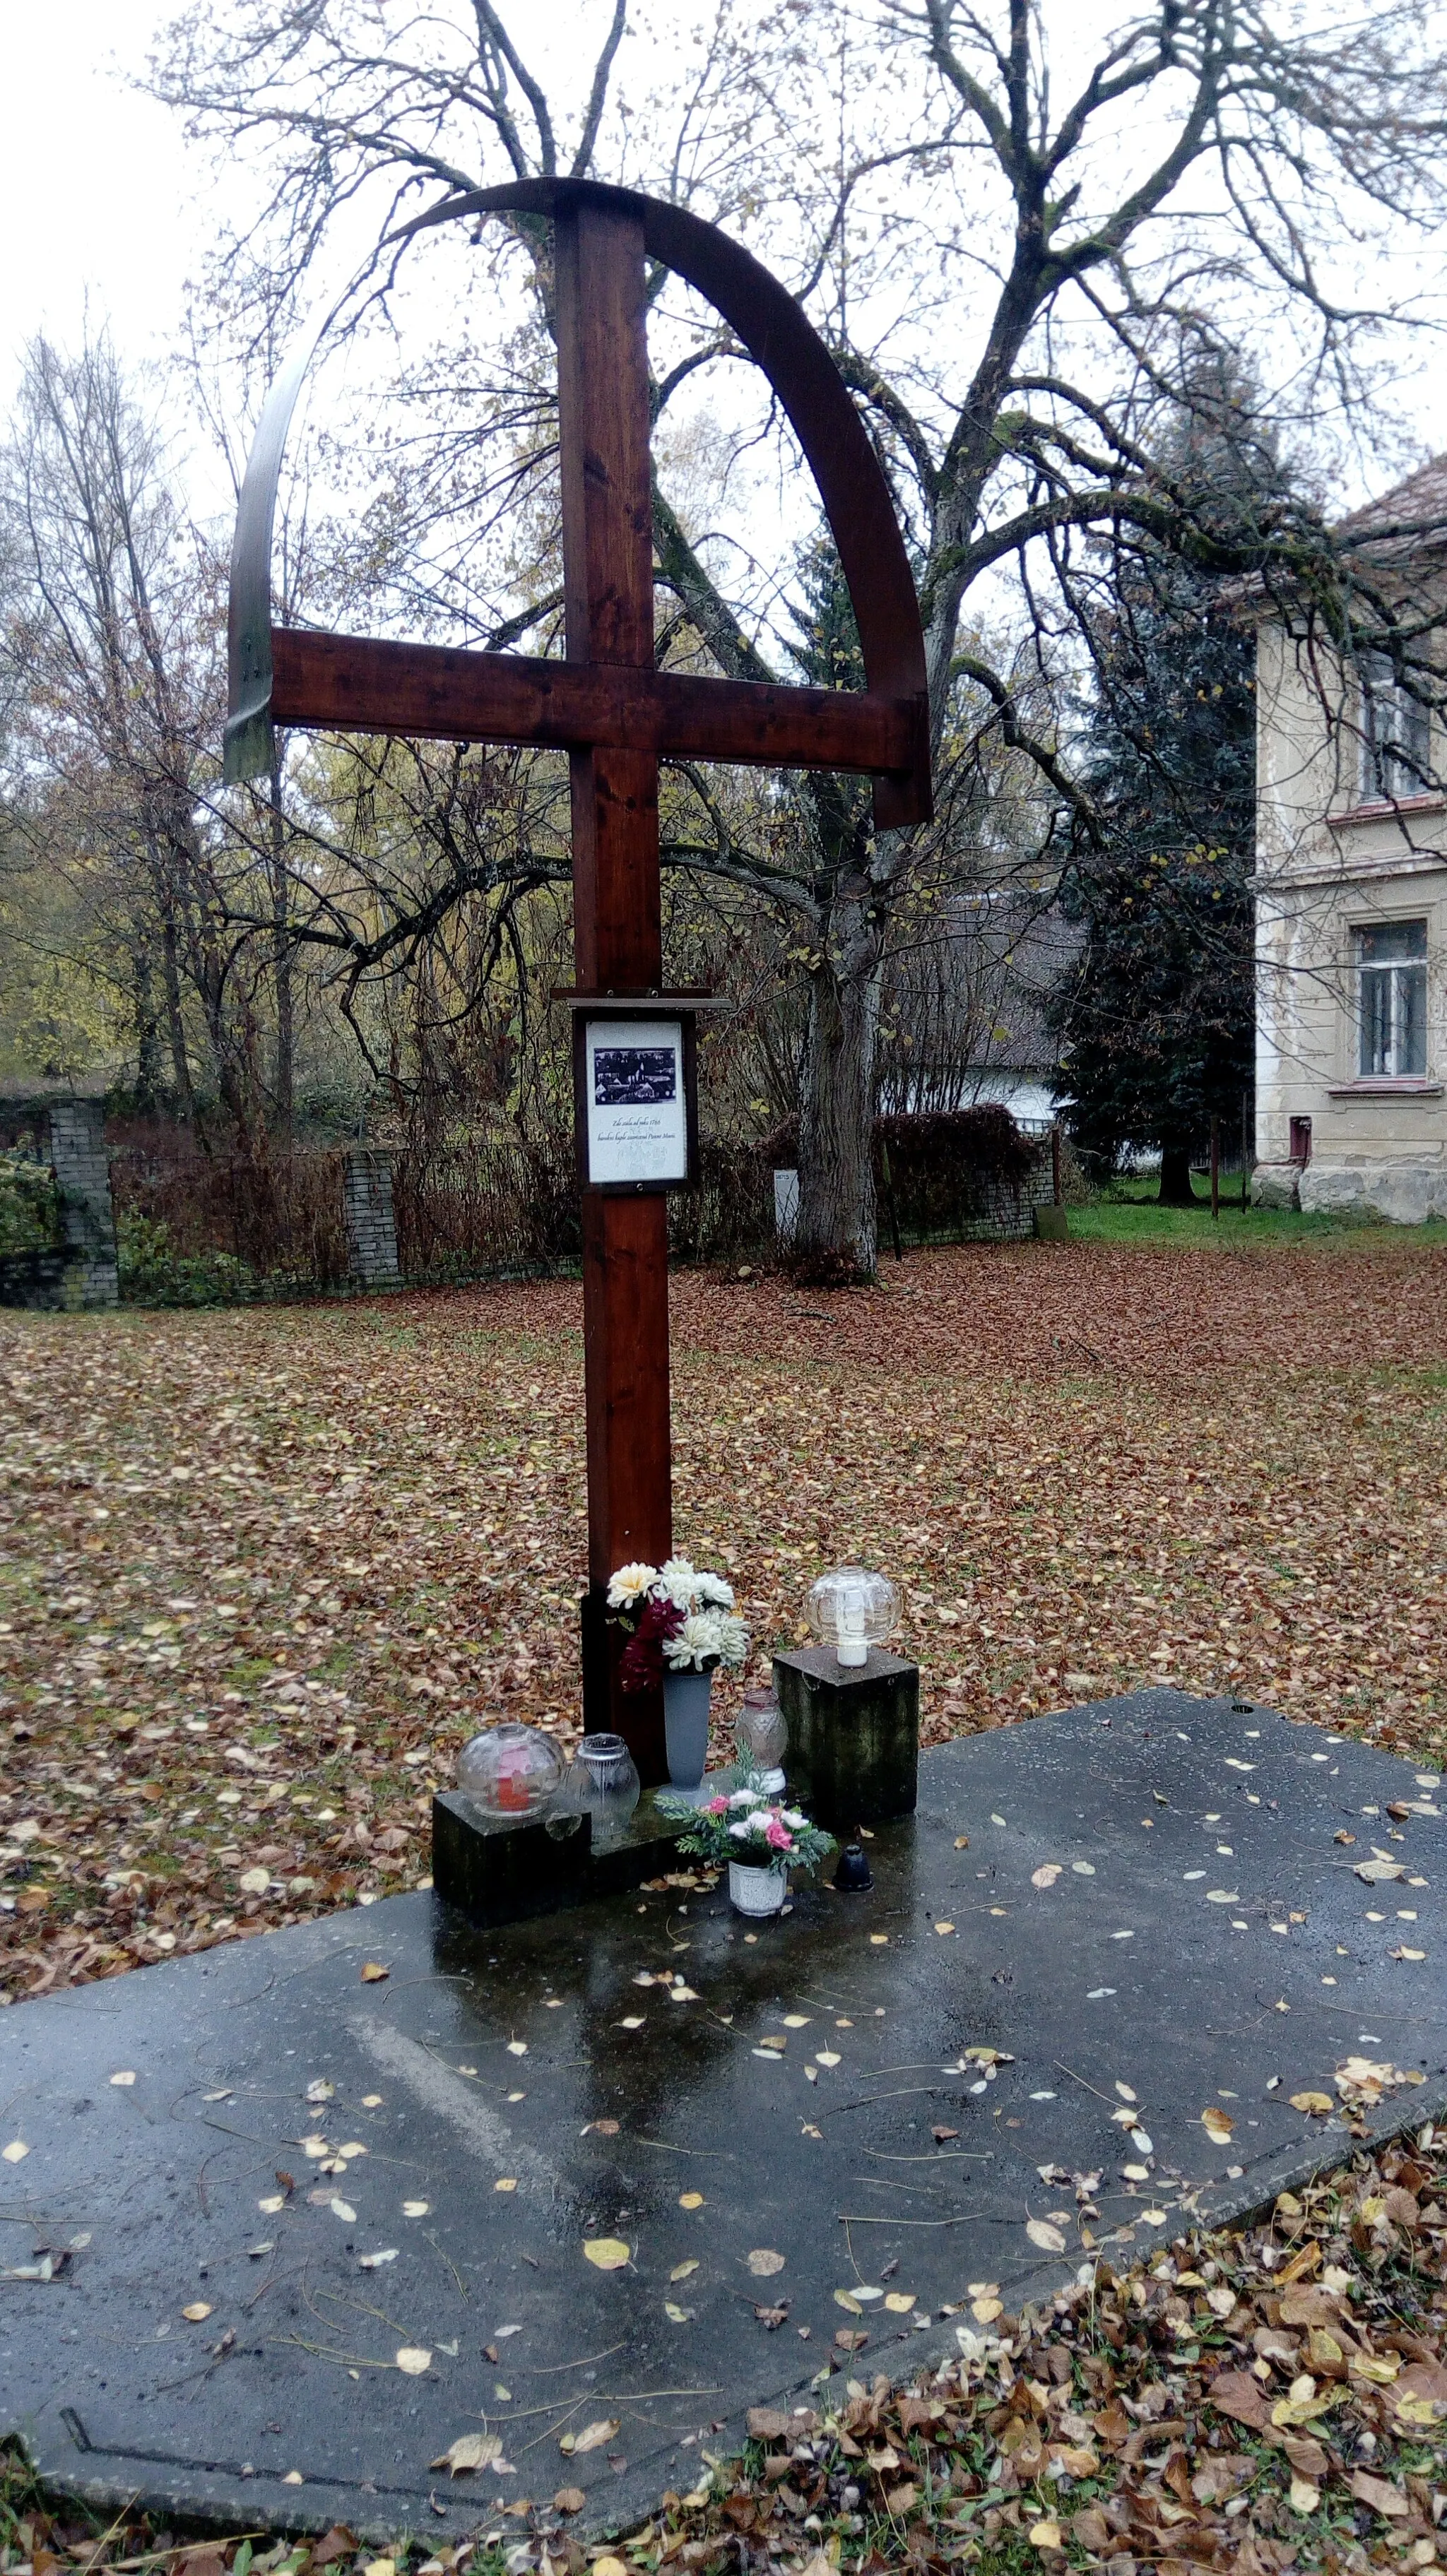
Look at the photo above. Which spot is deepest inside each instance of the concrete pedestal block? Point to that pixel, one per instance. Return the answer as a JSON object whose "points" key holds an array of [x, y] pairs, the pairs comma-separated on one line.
{"points": [[853, 1751], [501, 1873]]}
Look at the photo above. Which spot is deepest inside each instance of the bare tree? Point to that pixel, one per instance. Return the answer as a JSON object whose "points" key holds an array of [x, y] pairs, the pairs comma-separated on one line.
{"points": [[111, 656], [1022, 235]]}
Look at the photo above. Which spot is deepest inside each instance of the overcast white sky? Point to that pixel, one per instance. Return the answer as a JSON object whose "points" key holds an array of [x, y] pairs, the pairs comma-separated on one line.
{"points": [[94, 181]]}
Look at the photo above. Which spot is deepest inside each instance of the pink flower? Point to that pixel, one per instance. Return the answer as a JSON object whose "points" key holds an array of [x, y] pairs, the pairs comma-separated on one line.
{"points": [[716, 1807], [777, 1836]]}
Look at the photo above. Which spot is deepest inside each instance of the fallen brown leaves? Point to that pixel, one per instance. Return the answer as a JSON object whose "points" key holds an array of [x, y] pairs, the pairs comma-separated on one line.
{"points": [[262, 1572], [1250, 2400]]}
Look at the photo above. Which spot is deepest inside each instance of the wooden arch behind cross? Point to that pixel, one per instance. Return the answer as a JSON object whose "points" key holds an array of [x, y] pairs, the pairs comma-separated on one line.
{"points": [[616, 716]]}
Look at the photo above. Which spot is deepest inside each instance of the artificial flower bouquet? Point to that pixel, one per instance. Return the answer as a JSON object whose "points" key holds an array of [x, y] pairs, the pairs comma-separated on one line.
{"points": [[678, 1621], [753, 1831]]}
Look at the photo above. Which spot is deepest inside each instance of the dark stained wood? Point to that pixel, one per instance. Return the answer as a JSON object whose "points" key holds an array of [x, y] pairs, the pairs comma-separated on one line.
{"points": [[603, 428], [780, 338], [359, 684], [617, 716]]}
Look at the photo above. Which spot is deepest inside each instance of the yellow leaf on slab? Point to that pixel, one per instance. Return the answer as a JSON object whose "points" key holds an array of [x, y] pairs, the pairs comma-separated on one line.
{"points": [[506, 2182], [374, 1973], [608, 2252], [1048, 2238], [944, 1927], [797, 2021], [16, 2152], [681, 2271], [1047, 1873], [410, 2208], [899, 2302], [763, 2261], [517, 2048], [690, 2200], [847, 2299], [412, 2360], [469, 2451], [594, 2435], [198, 2309], [1217, 2124], [985, 2311], [1318, 2104], [127, 2075], [274, 2200]]}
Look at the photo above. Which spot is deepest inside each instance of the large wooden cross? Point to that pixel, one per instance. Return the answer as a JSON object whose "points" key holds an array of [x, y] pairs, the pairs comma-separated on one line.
{"points": [[616, 716]]}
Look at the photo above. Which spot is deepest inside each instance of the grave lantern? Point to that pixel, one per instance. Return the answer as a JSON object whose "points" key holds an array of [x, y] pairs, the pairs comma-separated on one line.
{"points": [[851, 1610], [511, 1771]]}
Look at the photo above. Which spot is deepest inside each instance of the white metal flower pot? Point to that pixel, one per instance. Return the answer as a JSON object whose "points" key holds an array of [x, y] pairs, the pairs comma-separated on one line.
{"points": [[757, 1891]]}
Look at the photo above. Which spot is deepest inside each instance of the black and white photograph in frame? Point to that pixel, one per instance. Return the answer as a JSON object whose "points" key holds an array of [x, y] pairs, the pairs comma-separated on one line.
{"points": [[636, 1102]]}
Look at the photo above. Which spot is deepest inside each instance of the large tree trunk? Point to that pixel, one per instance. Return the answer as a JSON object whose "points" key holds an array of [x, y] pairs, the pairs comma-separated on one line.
{"points": [[1176, 1190], [836, 1236]]}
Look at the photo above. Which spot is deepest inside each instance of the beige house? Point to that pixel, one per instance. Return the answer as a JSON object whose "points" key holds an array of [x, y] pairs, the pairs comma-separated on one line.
{"points": [[1351, 931]]}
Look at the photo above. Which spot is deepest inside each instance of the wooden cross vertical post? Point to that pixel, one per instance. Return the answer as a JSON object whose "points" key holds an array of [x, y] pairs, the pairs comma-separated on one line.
{"points": [[614, 714], [603, 424]]}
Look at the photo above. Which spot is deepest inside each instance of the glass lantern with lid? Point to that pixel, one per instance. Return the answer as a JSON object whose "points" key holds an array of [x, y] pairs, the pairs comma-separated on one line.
{"points": [[851, 1610], [512, 1772], [762, 1734], [602, 1783]]}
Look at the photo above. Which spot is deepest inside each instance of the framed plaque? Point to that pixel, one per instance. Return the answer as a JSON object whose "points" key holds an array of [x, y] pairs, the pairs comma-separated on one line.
{"points": [[637, 1098]]}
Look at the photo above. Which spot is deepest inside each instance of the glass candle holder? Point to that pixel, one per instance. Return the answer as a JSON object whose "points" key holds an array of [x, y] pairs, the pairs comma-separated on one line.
{"points": [[762, 1732], [602, 1783], [512, 1771], [851, 1610]]}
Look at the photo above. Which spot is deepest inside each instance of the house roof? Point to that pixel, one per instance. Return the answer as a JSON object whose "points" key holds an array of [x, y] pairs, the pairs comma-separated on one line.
{"points": [[1409, 515]]}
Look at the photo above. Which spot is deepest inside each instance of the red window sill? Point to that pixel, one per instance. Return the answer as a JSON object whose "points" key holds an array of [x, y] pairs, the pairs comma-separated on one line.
{"points": [[1381, 806], [1408, 1088]]}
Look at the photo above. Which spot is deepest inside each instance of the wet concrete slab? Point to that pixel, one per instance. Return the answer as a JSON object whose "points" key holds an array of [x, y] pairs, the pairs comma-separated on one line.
{"points": [[786, 2112]]}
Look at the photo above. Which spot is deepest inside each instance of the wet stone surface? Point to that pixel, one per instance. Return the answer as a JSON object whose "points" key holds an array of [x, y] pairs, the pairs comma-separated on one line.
{"points": [[763, 2123]]}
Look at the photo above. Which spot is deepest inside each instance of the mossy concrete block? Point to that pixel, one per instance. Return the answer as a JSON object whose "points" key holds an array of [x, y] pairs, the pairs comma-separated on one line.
{"points": [[502, 1873], [853, 1751]]}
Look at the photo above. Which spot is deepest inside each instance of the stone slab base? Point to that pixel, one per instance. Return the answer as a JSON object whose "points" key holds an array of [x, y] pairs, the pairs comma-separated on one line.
{"points": [[493, 2103]]}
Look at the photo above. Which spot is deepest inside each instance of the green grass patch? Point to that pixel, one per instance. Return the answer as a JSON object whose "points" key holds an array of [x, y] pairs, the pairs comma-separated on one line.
{"points": [[1129, 1212]]}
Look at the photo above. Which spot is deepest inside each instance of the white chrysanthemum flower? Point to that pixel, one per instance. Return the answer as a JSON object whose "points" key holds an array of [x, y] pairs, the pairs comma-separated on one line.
{"points": [[629, 1585], [744, 1798], [791, 1816], [680, 1582], [714, 1593], [742, 1828], [733, 1645]]}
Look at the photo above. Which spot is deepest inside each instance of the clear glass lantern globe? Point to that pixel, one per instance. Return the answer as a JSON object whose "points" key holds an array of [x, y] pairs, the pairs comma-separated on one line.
{"points": [[851, 1610], [602, 1783], [512, 1771]]}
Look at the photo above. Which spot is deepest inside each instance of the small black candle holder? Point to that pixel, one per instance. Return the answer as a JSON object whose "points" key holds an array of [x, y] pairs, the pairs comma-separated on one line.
{"points": [[853, 1875]]}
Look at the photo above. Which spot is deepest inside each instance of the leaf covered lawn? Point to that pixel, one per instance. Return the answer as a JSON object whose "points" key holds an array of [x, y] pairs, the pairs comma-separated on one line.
{"points": [[262, 1572]]}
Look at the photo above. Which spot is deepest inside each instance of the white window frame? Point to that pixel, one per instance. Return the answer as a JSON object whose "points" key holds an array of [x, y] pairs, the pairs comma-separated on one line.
{"points": [[1395, 740], [1390, 995]]}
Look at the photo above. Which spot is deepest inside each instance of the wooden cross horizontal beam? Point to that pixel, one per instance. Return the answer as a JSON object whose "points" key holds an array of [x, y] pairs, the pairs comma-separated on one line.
{"points": [[359, 684]]}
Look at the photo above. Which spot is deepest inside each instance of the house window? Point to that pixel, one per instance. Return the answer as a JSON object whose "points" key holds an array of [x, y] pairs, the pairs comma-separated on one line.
{"points": [[1301, 1141], [1391, 966], [1395, 734]]}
